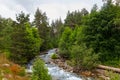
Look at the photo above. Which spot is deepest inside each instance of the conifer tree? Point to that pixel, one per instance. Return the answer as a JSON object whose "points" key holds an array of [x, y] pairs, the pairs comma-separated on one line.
{"points": [[25, 40], [41, 23]]}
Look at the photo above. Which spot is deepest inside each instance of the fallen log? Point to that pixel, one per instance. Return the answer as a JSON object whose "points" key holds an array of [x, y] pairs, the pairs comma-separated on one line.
{"points": [[109, 68]]}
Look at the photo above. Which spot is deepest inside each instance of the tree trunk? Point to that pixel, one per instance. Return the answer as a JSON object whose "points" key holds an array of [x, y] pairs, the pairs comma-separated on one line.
{"points": [[109, 68]]}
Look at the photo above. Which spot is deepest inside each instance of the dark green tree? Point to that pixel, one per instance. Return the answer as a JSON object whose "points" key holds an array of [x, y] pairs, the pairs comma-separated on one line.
{"points": [[25, 40], [6, 30], [22, 18], [83, 58], [101, 33], [73, 18], [84, 12], [41, 22], [94, 8], [56, 31], [65, 43]]}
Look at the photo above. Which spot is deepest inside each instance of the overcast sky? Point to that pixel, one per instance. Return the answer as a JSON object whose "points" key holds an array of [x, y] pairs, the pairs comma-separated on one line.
{"points": [[53, 8]]}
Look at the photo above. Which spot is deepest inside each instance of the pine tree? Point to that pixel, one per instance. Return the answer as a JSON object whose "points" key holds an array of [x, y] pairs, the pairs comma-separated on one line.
{"points": [[41, 23], [25, 40], [73, 18], [101, 33], [94, 8], [56, 31], [40, 71]]}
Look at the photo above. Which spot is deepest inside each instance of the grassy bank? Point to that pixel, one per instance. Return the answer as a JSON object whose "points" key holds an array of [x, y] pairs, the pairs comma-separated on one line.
{"points": [[10, 70]]}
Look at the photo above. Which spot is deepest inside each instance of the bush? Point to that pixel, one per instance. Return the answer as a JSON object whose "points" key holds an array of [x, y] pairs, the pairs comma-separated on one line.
{"points": [[64, 53], [22, 72], [40, 72], [112, 62], [113, 76], [83, 57], [65, 42], [17, 70], [54, 56]]}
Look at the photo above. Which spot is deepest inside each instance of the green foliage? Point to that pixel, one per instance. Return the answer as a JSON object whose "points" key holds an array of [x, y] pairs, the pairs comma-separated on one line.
{"points": [[41, 23], [64, 53], [94, 8], [65, 43], [40, 71], [83, 57], [25, 41], [54, 56], [22, 72], [84, 12], [34, 41], [22, 18], [102, 34], [73, 18], [6, 30], [99, 31], [113, 62], [113, 75], [71, 47], [55, 32]]}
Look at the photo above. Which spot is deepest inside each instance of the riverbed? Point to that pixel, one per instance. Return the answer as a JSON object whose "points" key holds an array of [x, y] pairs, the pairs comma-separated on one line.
{"points": [[56, 72]]}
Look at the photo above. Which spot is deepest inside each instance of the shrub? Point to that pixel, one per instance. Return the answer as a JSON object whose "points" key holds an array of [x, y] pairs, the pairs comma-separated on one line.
{"points": [[113, 75], [112, 62], [83, 57], [64, 53], [17, 70], [22, 72], [40, 72], [65, 42], [54, 56]]}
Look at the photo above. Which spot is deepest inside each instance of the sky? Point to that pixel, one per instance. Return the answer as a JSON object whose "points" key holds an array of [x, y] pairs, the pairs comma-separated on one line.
{"points": [[53, 8]]}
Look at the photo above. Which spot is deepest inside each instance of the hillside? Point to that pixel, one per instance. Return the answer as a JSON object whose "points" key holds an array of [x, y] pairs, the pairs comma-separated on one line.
{"points": [[10, 70]]}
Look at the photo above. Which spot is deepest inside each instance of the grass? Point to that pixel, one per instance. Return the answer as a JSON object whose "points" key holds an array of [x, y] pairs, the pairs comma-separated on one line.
{"points": [[54, 56], [10, 70], [113, 75]]}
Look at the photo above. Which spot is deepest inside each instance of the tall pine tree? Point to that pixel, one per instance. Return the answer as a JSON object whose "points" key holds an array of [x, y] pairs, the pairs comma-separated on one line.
{"points": [[41, 22], [25, 40]]}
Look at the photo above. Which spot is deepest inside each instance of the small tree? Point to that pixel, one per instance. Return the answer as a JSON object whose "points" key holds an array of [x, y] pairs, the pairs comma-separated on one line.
{"points": [[83, 57], [40, 72], [64, 43]]}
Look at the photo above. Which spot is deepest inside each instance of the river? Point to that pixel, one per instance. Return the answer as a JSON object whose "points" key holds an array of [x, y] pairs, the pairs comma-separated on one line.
{"points": [[56, 72]]}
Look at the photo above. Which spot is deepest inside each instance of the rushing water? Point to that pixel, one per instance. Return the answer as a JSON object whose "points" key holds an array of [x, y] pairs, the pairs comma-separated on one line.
{"points": [[56, 72]]}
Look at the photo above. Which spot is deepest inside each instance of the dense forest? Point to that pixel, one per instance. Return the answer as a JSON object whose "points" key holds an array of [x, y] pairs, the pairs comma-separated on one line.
{"points": [[85, 38]]}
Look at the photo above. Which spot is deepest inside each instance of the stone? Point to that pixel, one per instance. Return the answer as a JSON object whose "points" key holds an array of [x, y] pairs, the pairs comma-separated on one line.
{"points": [[4, 79], [6, 65]]}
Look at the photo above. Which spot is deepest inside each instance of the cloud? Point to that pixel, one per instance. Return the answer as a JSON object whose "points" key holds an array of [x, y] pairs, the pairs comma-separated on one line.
{"points": [[56, 10], [9, 9], [6, 12], [53, 8]]}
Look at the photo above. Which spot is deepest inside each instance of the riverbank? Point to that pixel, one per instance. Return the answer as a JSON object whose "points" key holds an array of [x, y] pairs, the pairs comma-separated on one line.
{"points": [[63, 64], [101, 72], [10, 70], [97, 74], [56, 72]]}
